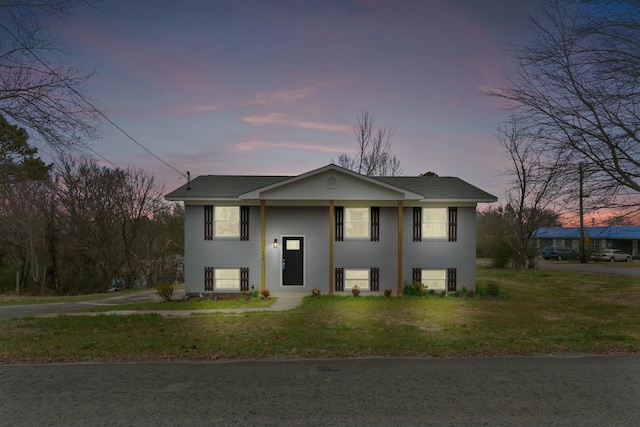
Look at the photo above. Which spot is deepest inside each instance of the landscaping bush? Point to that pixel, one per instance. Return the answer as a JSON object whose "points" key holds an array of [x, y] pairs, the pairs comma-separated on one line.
{"points": [[265, 293], [355, 291], [165, 291], [416, 289], [315, 292], [388, 293], [490, 288]]}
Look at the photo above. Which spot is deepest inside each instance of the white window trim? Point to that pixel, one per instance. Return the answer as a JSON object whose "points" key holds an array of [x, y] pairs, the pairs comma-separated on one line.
{"points": [[217, 221], [346, 222], [429, 282], [425, 224], [235, 285], [363, 284]]}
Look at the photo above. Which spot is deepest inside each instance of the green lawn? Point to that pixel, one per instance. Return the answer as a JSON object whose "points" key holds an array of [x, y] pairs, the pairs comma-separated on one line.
{"points": [[538, 312]]}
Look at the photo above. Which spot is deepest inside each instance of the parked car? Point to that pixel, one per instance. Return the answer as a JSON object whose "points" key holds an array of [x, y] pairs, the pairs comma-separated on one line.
{"points": [[611, 255], [558, 252]]}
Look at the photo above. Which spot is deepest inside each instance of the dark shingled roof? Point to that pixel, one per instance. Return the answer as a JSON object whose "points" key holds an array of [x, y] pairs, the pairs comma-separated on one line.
{"points": [[232, 186], [222, 186]]}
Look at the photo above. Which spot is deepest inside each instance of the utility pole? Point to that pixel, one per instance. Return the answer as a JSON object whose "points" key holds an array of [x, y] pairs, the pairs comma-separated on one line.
{"points": [[583, 258]]}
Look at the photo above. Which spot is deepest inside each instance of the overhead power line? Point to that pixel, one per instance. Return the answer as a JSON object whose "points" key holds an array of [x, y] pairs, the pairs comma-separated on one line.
{"points": [[90, 104]]}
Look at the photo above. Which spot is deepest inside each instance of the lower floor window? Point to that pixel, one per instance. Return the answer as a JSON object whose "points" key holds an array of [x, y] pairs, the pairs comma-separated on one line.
{"points": [[227, 279], [435, 280], [359, 278]]}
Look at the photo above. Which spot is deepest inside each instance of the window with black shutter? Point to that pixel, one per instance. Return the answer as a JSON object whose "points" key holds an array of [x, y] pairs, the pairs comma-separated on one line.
{"points": [[452, 279], [453, 224], [417, 275], [339, 279], [375, 279], [339, 217], [208, 279], [244, 280], [244, 222], [417, 224], [208, 222], [375, 224]]}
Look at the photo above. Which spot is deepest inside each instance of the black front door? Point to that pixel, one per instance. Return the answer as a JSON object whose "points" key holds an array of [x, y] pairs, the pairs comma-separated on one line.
{"points": [[292, 261]]}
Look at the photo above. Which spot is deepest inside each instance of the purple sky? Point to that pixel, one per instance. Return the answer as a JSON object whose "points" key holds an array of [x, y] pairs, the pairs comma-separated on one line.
{"points": [[274, 87]]}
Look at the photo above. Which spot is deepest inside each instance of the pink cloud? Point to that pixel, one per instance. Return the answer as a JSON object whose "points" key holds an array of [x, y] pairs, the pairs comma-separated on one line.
{"points": [[281, 96], [252, 145], [282, 119]]}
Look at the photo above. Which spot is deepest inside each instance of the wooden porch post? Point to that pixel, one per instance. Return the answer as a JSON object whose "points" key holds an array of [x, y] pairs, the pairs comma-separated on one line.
{"points": [[400, 221], [263, 241], [332, 220]]}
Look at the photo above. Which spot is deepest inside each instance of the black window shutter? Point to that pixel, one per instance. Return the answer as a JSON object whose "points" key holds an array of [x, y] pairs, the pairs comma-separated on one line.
{"points": [[244, 280], [375, 224], [208, 279], [208, 222], [417, 275], [417, 224], [339, 214], [375, 279], [452, 279], [339, 279], [453, 224], [244, 222]]}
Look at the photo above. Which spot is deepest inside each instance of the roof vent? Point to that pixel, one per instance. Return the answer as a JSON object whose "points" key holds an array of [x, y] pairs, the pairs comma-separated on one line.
{"points": [[332, 182]]}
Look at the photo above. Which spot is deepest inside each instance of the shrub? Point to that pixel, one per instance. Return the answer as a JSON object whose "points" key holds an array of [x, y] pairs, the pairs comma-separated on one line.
{"points": [[315, 292], [490, 288], [493, 288], [165, 291], [414, 289], [388, 293], [265, 293], [355, 291]]}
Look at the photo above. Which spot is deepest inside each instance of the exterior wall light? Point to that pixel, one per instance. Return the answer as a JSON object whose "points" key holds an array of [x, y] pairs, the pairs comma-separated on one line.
{"points": [[275, 243]]}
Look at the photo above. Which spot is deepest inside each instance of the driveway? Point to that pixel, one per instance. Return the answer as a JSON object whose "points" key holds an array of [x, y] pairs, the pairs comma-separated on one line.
{"points": [[586, 391], [32, 310]]}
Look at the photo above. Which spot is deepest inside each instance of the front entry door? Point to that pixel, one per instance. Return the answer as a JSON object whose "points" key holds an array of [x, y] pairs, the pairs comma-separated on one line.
{"points": [[292, 261]]}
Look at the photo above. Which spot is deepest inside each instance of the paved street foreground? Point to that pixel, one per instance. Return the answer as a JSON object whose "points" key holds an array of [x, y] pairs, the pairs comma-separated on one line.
{"points": [[503, 391]]}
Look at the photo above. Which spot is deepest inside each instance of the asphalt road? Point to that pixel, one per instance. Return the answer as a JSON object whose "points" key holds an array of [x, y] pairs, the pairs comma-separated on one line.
{"points": [[511, 391]]}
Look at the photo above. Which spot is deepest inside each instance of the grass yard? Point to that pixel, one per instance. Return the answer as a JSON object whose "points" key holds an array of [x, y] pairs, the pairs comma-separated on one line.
{"points": [[538, 312]]}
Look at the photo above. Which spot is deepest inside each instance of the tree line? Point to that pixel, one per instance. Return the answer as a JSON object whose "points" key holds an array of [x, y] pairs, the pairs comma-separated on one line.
{"points": [[77, 226]]}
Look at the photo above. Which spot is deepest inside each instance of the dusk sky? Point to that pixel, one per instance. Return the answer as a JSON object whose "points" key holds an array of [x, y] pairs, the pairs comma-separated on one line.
{"points": [[274, 87]]}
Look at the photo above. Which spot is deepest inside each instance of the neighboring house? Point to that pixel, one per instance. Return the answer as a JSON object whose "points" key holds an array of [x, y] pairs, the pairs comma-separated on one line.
{"points": [[330, 229], [626, 238]]}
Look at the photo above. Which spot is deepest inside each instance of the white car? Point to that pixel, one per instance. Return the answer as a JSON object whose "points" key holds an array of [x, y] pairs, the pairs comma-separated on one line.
{"points": [[611, 255]]}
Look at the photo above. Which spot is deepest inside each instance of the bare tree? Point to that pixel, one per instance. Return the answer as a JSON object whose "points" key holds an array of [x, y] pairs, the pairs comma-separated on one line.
{"points": [[38, 90], [579, 81], [373, 152], [536, 174]]}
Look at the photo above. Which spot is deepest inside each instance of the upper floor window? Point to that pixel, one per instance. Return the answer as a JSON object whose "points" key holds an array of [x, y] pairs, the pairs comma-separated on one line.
{"points": [[434, 222], [227, 221], [356, 222]]}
